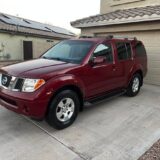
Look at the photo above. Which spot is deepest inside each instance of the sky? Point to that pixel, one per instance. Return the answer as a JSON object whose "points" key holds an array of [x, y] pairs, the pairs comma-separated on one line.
{"points": [[56, 12]]}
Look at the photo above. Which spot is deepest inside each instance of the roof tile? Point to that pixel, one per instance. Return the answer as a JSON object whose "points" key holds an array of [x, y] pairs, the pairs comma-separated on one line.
{"points": [[118, 15]]}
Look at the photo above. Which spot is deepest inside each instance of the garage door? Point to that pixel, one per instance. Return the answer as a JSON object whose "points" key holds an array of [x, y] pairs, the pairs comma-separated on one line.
{"points": [[151, 40]]}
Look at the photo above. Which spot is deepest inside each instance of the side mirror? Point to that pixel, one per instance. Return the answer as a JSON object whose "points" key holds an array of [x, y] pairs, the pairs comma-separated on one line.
{"points": [[99, 60]]}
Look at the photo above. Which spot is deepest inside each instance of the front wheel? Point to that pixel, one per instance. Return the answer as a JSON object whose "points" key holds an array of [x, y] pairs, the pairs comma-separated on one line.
{"points": [[134, 86], [63, 109]]}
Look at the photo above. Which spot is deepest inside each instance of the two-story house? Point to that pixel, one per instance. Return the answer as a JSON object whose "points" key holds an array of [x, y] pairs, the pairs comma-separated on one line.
{"points": [[135, 18]]}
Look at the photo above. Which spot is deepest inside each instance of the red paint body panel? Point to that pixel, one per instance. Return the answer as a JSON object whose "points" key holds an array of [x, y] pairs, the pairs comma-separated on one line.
{"points": [[91, 80]]}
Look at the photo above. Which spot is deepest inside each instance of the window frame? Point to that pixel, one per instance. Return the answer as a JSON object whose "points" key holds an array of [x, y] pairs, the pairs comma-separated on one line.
{"points": [[112, 48], [125, 42], [123, 2], [131, 51]]}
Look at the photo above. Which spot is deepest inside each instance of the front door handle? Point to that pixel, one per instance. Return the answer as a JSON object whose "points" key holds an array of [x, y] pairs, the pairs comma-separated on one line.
{"points": [[114, 68]]}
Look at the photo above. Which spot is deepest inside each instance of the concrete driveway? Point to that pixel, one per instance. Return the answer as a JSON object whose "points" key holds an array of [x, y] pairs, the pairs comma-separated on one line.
{"points": [[120, 129]]}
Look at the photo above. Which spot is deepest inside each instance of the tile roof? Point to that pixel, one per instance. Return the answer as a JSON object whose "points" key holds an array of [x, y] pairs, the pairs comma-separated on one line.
{"points": [[140, 14], [17, 24]]}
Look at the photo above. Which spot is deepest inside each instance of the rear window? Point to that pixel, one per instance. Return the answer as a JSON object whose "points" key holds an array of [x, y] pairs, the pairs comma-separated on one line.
{"points": [[140, 50]]}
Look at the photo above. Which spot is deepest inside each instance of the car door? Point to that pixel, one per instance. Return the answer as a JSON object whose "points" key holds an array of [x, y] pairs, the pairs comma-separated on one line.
{"points": [[124, 62], [100, 77]]}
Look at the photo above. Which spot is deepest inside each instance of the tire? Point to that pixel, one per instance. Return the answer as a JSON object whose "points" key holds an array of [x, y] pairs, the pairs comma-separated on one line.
{"points": [[134, 86], [63, 109]]}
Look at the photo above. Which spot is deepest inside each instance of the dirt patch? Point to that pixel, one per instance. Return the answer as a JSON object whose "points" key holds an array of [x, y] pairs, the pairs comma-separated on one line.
{"points": [[153, 153]]}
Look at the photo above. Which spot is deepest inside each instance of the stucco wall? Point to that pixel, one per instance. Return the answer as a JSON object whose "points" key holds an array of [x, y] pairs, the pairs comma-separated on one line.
{"points": [[112, 5], [13, 45], [4, 63]]}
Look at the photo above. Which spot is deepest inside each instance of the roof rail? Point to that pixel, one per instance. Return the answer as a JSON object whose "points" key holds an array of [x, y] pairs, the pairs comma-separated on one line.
{"points": [[110, 37], [86, 36], [122, 37]]}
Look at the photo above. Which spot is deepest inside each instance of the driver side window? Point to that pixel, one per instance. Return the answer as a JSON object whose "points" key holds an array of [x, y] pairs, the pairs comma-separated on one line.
{"points": [[104, 50]]}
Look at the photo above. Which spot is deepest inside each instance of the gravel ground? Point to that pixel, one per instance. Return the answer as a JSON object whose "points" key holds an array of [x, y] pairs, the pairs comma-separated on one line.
{"points": [[153, 153]]}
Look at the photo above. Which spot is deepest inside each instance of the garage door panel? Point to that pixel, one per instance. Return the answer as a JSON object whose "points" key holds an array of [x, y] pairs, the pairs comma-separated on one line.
{"points": [[150, 52], [152, 45], [153, 49], [152, 79], [153, 64], [154, 71], [153, 57]]}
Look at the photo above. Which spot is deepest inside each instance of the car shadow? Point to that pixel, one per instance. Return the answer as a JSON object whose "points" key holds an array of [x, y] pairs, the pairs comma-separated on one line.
{"points": [[18, 123]]}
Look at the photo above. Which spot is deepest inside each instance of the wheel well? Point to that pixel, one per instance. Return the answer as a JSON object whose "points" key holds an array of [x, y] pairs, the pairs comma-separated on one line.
{"points": [[73, 88], [141, 74]]}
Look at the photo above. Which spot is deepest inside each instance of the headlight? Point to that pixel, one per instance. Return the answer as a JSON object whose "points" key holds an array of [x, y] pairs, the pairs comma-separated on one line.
{"points": [[30, 85]]}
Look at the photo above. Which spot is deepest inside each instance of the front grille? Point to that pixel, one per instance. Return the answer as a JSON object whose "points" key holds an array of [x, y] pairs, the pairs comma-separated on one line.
{"points": [[11, 82], [19, 84]]}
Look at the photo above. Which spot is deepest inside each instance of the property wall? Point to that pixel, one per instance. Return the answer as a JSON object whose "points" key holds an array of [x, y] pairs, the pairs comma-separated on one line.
{"points": [[4, 63], [11, 46], [112, 5], [151, 40]]}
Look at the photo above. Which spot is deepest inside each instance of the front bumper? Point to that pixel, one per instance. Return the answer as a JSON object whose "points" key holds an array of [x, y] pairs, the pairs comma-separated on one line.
{"points": [[30, 104]]}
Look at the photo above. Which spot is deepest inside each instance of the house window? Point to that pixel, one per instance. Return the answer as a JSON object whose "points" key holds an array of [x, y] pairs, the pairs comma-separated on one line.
{"points": [[120, 2]]}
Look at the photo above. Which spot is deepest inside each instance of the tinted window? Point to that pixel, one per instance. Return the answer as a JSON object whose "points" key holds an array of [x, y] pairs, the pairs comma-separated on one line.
{"points": [[69, 51], [140, 50], [104, 50], [129, 50], [124, 50]]}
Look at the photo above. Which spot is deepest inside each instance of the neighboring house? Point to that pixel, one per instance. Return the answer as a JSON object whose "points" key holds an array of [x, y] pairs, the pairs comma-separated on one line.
{"points": [[23, 39], [135, 18]]}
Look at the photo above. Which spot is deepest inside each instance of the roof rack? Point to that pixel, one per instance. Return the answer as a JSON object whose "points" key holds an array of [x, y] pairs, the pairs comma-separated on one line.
{"points": [[110, 37], [122, 37], [86, 36]]}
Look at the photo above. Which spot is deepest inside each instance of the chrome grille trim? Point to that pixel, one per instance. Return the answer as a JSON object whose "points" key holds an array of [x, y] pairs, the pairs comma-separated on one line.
{"points": [[12, 84]]}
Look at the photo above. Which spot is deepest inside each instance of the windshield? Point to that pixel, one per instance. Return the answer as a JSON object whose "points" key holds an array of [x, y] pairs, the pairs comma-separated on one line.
{"points": [[72, 51]]}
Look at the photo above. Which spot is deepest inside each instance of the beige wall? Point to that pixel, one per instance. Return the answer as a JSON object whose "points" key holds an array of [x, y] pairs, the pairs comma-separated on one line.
{"points": [[112, 5], [13, 45], [4, 63], [150, 38]]}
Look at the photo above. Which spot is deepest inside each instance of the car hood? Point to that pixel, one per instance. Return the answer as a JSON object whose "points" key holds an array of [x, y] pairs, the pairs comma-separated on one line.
{"points": [[38, 68]]}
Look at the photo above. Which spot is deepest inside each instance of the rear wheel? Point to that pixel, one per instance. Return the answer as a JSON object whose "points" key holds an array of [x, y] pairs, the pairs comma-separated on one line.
{"points": [[134, 86], [63, 109]]}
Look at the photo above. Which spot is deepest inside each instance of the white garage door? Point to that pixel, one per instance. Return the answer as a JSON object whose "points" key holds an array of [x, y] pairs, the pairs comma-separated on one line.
{"points": [[151, 40]]}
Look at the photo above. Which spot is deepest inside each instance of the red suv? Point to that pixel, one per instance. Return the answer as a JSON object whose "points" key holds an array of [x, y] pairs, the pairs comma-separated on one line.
{"points": [[56, 85]]}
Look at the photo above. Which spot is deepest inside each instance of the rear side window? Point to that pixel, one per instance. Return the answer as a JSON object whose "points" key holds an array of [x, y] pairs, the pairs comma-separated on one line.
{"points": [[104, 50], [124, 50], [129, 50], [140, 50]]}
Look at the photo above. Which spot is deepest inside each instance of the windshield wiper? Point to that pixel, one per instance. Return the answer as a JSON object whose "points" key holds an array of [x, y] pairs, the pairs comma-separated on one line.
{"points": [[44, 57], [54, 58]]}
